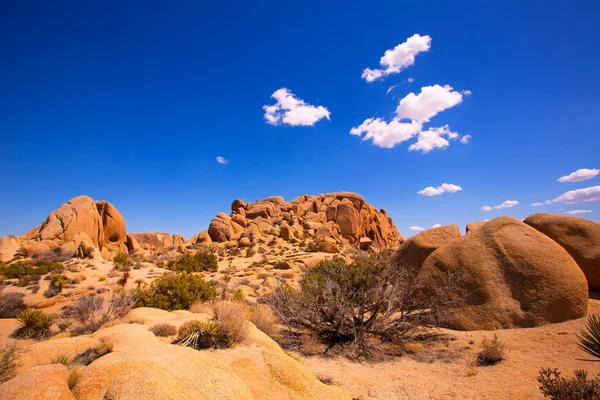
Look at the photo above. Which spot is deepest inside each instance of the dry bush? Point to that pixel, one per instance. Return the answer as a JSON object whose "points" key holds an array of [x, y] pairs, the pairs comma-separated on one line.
{"points": [[11, 304], [231, 317], [202, 307], [164, 330], [90, 312], [73, 378], [93, 353], [311, 345], [580, 387], [492, 352], [263, 317], [9, 361]]}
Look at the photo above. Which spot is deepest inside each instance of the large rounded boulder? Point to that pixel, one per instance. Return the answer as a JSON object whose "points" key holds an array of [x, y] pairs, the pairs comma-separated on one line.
{"points": [[506, 275], [415, 250], [580, 237]]}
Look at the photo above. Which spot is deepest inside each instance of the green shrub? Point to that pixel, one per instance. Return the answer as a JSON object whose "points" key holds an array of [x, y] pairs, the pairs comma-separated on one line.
{"points": [[176, 292], [34, 324], [316, 246], [198, 262], [238, 295], [163, 330], [492, 352], [122, 260], [20, 269], [580, 387], [203, 335], [9, 361]]}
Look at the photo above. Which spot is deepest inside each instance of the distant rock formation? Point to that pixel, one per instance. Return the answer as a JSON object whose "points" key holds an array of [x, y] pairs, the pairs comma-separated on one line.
{"points": [[154, 241], [340, 218]]}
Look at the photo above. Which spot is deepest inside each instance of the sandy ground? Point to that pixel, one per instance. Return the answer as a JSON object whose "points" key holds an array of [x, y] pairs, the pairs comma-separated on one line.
{"points": [[441, 371]]}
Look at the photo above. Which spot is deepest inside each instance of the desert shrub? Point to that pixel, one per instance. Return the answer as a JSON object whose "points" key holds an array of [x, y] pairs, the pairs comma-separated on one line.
{"points": [[93, 353], [316, 246], [121, 260], [250, 252], [34, 324], [311, 345], [492, 352], [231, 317], [9, 361], [201, 335], [11, 304], [580, 387], [73, 377], [344, 302], [19, 269], [175, 292], [238, 295], [589, 338], [57, 282], [290, 221], [163, 329], [90, 311], [262, 316], [202, 308], [63, 359], [123, 279], [198, 262]]}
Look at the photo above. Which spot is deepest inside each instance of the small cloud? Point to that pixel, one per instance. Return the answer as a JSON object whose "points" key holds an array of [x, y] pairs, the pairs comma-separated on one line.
{"points": [[416, 228], [576, 212], [443, 188], [390, 89], [395, 60], [290, 110], [386, 135], [580, 196], [436, 226], [222, 160], [506, 204], [429, 102], [580, 175], [538, 204], [433, 138], [465, 139], [411, 80]]}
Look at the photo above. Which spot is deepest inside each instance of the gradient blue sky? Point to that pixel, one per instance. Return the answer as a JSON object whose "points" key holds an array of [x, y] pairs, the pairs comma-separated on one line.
{"points": [[133, 101]]}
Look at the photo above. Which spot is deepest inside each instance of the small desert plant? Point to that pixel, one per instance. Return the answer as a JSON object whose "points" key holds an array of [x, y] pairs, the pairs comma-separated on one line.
{"points": [[63, 359], [492, 352], [580, 387], [73, 377], [198, 262], [250, 252], [238, 295], [263, 317], [121, 260], [90, 311], [231, 317], [163, 330], [102, 279], [9, 361], [11, 304], [176, 292], [34, 324], [589, 339], [316, 246], [201, 335], [311, 345], [202, 307], [123, 279]]}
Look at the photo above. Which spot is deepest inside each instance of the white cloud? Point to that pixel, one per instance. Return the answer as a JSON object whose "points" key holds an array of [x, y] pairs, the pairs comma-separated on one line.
{"points": [[465, 139], [443, 188], [398, 58], [433, 138], [506, 204], [429, 102], [538, 204], [579, 196], [390, 89], [580, 175], [222, 160], [436, 226], [384, 134], [416, 228], [293, 111], [576, 212], [411, 80]]}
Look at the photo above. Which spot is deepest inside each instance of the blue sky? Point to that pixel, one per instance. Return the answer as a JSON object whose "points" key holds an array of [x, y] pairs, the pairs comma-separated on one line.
{"points": [[133, 101]]}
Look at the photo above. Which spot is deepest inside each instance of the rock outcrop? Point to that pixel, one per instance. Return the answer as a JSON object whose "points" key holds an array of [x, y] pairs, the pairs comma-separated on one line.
{"points": [[511, 275], [46, 382], [580, 237], [341, 218], [415, 250], [154, 241]]}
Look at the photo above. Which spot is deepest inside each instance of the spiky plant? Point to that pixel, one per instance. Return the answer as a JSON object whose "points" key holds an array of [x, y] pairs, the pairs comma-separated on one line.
{"points": [[34, 324], [200, 335], [63, 359], [589, 338]]}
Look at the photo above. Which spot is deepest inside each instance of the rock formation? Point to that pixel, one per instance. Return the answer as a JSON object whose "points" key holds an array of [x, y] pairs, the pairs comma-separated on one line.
{"points": [[341, 218], [153, 241], [512, 275], [580, 237], [415, 250]]}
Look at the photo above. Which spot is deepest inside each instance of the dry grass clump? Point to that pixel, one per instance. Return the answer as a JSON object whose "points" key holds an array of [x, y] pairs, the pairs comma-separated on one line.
{"points": [[9, 361], [34, 324], [263, 317], [94, 353], [164, 330], [11, 304], [311, 345], [231, 317], [73, 378], [202, 307], [492, 352], [90, 312]]}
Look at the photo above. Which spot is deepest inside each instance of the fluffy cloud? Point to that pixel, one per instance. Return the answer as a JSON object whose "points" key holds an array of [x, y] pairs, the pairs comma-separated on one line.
{"points": [[443, 188], [398, 58], [222, 160], [576, 212], [416, 228], [411, 80], [506, 204], [436, 226], [465, 139], [579, 196], [293, 111], [580, 175], [433, 138], [431, 101], [386, 135], [538, 204]]}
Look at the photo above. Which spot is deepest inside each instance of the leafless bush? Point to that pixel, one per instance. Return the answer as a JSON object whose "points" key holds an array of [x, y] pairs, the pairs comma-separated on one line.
{"points": [[311, 345], [11, 304], [164, 330], [231, 317], [492, 352], [263, 317], [90, 311]]}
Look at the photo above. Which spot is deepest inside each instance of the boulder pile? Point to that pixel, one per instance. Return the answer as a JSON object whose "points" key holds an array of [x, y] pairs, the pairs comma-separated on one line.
{"points": [[335, 219]]}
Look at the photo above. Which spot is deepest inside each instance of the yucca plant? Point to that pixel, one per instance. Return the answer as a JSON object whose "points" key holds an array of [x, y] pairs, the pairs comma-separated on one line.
{"points": [[63, 359], [200, 335], [34, 324], [589, 338]]}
